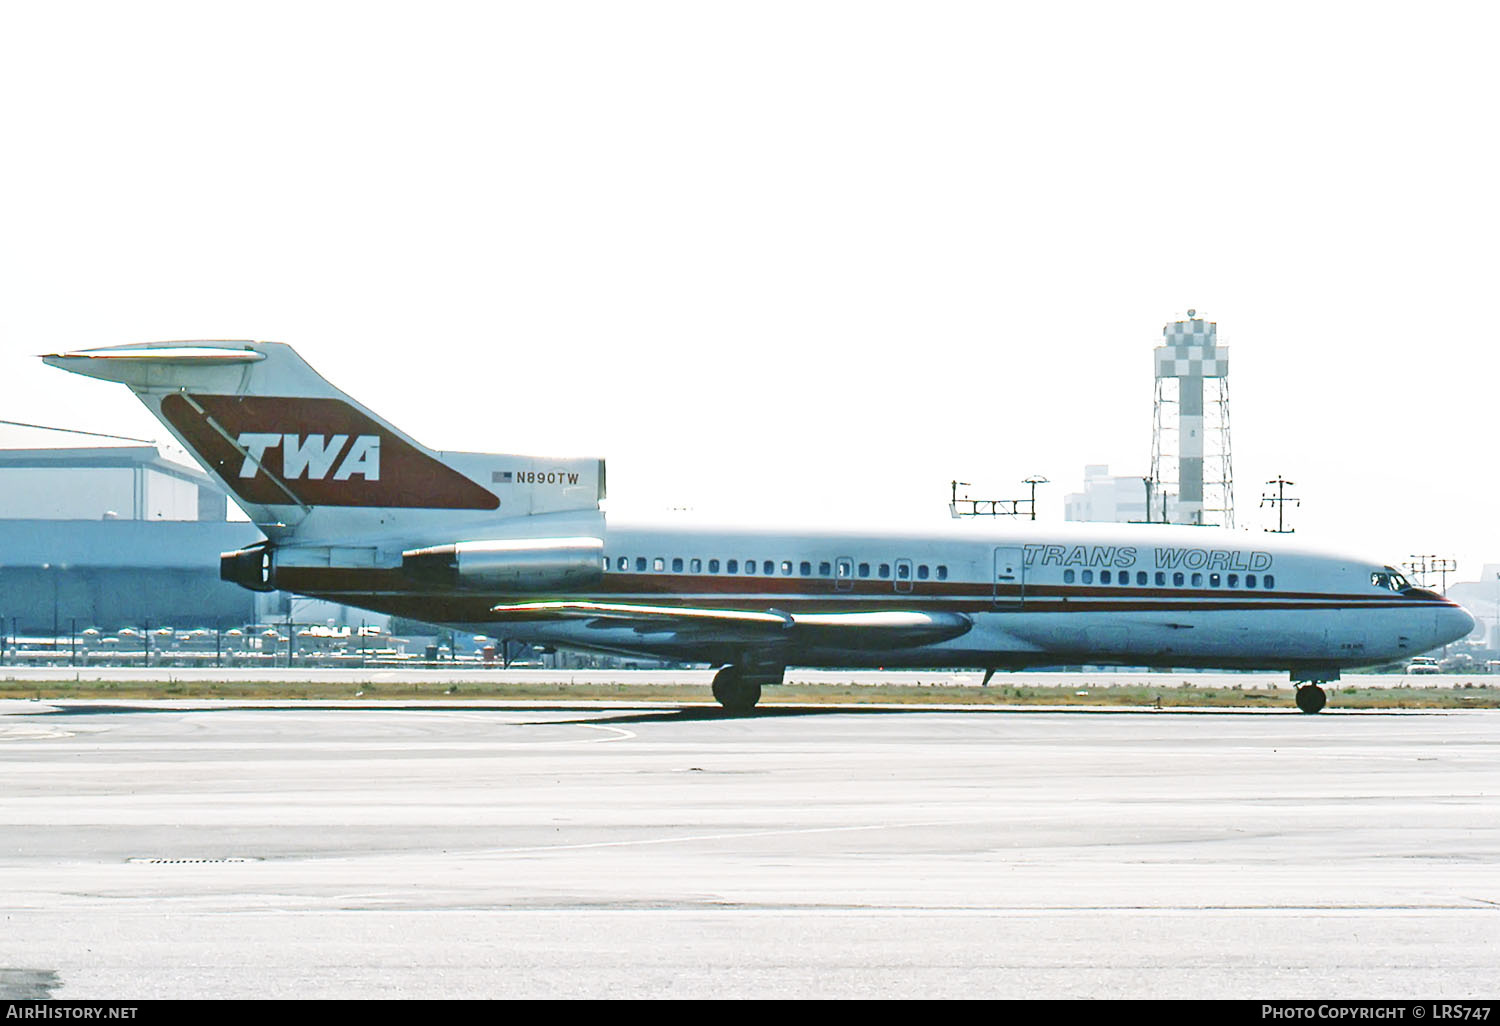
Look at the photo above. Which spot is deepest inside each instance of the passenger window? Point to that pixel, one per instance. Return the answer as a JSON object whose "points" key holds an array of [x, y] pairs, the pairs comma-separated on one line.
{"points": [[903, 571], [1161, 579], [640, 564], [1067, 576], [733, 567], [677, 564], [1103, 576], [806, 568], [1178, 580], [713, 566], [696, 566], [1197, 580], [1213, 580], [768, 567], [825, 569], [1140, 578], [942, 572], [1125, 577], [1234, 580], [885, 569], [1249, 580], [624, 563], [786, 568], [749, 566], [1088, 577], [922, 571], [1269, 581], [658, 564], [864, 569]]}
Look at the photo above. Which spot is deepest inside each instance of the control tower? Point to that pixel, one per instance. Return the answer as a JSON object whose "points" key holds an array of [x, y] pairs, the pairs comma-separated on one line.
{"points": [[1190, 455]]}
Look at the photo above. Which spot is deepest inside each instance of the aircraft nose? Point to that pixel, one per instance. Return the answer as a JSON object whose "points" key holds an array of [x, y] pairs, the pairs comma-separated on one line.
{"points": [[1453, 622]]}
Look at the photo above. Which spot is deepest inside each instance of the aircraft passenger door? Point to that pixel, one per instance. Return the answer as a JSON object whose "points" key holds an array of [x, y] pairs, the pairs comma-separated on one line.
{"points": [[1010, 577], [903, 575], [843, 573]]}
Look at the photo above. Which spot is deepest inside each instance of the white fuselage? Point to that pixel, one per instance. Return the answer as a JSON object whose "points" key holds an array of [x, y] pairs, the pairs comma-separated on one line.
{"points": [[1134, 595]]}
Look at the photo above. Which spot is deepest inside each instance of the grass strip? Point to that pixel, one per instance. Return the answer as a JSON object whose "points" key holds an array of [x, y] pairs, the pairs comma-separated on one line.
{"points": [[1469, 696]]}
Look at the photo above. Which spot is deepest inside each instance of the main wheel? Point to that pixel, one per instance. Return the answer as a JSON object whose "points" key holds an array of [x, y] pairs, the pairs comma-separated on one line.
{"points": [[734, 692], [1311, 698]]}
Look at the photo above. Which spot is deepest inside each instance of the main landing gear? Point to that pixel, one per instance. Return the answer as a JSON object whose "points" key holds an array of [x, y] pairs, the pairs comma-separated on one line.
{"points": [[737, 686], [1311, 697]]}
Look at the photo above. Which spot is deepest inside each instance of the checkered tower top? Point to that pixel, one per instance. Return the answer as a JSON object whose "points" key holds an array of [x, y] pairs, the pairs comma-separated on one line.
{"points": [[1192, 350]]}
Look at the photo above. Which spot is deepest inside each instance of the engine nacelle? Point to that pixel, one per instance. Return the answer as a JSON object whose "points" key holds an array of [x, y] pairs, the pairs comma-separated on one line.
{"points": [[249, 568], [515, 564]]}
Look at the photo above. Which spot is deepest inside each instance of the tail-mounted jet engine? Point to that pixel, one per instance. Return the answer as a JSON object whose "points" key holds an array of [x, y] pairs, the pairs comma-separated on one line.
{"points": [[519, 564], [249, 568]]}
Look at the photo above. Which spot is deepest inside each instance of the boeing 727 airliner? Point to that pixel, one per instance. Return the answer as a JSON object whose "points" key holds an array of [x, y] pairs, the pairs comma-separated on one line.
{"points": [[357, 512]]}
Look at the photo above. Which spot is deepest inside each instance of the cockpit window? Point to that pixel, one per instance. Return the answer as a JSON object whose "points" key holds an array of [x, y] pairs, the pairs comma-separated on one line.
{"points": [[1391, 579]]}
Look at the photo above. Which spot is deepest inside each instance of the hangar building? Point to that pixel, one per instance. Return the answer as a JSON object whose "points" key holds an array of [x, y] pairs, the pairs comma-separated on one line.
{"points": [[112, 536]]}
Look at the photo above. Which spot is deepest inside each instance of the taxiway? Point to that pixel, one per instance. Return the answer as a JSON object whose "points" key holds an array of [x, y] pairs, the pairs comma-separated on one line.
{"points": [[214, 849]]}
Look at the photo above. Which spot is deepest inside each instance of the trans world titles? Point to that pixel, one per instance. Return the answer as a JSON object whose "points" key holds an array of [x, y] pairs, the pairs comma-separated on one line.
{"points": [[1166, 558]]}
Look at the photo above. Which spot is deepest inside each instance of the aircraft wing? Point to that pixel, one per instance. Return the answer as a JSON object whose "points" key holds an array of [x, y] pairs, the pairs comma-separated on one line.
{"points": [[892, 629]]}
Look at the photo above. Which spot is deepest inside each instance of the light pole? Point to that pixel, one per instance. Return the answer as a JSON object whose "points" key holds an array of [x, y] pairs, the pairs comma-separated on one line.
{"points": [[1279, 501], [1034, 480], [53, 575]]}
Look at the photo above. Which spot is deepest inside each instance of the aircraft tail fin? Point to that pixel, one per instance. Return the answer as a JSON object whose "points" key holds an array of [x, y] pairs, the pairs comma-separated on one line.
{"points": [[301, 457]]}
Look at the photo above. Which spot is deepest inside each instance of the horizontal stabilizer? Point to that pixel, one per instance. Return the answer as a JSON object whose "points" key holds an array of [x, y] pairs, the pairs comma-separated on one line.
{"points": [[95, 362]]}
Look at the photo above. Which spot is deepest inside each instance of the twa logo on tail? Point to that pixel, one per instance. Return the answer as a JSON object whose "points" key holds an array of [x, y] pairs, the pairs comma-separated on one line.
{"points": [[312, 455], [316, 451]]}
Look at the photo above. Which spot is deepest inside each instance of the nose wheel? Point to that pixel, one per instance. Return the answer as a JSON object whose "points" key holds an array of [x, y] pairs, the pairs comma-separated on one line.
{"points": [[1311, 698], [1308, 681]]}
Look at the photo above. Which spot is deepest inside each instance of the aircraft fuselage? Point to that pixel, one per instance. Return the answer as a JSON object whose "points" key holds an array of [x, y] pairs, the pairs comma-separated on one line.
{"points": [[1131, 595]]}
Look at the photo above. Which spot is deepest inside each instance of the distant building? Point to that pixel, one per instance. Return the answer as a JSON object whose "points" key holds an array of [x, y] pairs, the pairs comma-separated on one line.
{"points": [[118, 536], [1115, 500], [1107, 499], [59, 574], [112, 536], [1482, 599], [105, 483]]}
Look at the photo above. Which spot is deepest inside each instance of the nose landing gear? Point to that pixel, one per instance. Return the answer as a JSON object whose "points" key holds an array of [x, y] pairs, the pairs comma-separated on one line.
{"points": [[1311, 697]]}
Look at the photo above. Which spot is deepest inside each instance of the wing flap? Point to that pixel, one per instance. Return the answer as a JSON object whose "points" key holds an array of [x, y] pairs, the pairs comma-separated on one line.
{"points": [[885, 629]]}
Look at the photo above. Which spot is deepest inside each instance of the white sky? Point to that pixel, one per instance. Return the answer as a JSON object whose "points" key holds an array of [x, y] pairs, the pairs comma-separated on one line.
{"points": [[791, 258]]}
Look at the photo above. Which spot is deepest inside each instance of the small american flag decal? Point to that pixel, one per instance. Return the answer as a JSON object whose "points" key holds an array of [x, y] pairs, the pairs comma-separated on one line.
{"points": [[500, 477]]}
